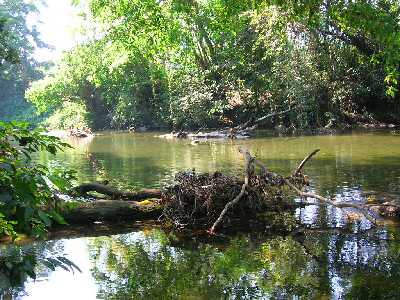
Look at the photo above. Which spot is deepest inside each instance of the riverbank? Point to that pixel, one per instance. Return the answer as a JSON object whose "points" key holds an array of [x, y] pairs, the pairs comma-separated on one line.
{"points": [[62, 133]]}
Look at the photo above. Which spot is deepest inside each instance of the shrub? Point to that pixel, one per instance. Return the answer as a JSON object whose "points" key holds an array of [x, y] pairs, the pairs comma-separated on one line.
{"points": [[27, 188]]}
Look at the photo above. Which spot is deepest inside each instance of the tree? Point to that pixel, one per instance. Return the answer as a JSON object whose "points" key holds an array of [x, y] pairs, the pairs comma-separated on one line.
{"points": [[369, 26], [194, 64], [18, 68]]}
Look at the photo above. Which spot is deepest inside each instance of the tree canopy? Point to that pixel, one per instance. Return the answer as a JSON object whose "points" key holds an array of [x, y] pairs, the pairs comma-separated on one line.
{"points": [[214, 63], [18, 67]]}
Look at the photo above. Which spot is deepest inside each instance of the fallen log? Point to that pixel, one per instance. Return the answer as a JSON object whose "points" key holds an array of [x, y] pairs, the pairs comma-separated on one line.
{"points": [[112, 210], [115, 193]]}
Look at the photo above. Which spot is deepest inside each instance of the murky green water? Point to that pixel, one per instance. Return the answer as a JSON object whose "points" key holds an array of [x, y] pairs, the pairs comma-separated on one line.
{"points": [[347, 263]]}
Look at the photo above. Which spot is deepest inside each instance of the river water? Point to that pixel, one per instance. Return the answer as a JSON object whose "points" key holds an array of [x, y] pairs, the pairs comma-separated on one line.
{"points": [[331, 259]]}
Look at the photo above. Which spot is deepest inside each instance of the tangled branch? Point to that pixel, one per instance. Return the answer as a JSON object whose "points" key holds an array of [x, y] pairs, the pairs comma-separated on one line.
{"points": [[293, 181]]}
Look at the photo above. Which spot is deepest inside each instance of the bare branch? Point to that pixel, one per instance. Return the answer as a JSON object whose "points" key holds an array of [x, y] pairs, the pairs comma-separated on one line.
{"points": [[253, 123], [301, 165], [230, 204], [322, 199]]}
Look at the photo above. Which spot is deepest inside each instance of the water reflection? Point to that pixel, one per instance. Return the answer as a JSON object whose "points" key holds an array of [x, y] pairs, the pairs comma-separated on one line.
{"points": [[156, 265], [60, 284], [20, 265], [149, 266], [351, 262]]}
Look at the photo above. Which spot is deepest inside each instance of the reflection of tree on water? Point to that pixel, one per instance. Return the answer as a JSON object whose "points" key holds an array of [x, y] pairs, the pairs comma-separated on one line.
{"points": [[19, 263], [350, 261], [148, 266]]}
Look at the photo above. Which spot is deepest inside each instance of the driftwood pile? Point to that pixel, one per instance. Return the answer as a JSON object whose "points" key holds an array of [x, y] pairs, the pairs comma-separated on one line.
{"points": [[80, 132], [197, 200], [208, 201]]}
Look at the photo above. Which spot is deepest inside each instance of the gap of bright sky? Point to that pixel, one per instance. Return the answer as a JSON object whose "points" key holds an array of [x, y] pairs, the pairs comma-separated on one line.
{"points": [[55, 22]]}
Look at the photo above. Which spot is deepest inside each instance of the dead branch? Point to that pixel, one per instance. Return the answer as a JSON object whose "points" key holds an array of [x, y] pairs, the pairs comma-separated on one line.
{"points": [[254, 123], [278, 180], [241, 131], [360, 207], [386, 204], [248, 173], [259, 120], [304, 161]]}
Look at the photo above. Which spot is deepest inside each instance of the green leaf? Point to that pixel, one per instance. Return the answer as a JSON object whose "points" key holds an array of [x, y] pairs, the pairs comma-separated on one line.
{"points": [[58, 218], [49, 264], [44, 217], [69, 263]]}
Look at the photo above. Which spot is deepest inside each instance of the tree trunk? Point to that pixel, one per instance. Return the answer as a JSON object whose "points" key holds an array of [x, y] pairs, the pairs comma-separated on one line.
{"points": [[113, 210], [83, 189]]}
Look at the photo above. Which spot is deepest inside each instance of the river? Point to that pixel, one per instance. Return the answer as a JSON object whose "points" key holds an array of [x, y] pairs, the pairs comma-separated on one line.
{"points": [[331, 259]]}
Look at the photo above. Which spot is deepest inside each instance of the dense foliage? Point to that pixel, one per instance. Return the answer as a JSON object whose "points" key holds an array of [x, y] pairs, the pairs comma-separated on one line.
{"points": [[217, 62], [18, 67], [27, 188]]}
